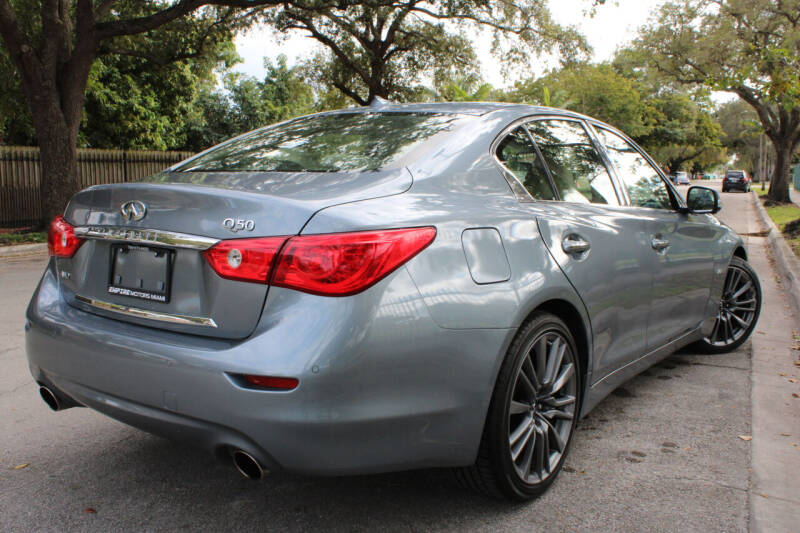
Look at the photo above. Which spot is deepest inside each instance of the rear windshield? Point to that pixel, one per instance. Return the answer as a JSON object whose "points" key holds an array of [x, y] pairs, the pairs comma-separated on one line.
{"points": [[735, 174], [325, 143]]}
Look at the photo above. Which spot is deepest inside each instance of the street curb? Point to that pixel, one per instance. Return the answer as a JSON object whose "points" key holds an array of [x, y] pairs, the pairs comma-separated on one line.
{"points": [[787, 264], [19, 250]]}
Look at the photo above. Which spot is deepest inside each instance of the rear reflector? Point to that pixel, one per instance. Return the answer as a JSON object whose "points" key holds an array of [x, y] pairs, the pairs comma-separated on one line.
{"points": [[333, 264], [61, 239], [340, 264], [270, 382], [244, 259]]}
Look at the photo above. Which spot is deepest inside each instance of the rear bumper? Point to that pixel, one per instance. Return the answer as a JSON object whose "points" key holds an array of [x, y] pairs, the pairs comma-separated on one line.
{"points": [[738, 185], [377, 385]]}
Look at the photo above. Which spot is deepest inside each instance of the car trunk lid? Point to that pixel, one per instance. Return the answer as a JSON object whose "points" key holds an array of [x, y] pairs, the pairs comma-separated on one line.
{"points": [[151, 270]]}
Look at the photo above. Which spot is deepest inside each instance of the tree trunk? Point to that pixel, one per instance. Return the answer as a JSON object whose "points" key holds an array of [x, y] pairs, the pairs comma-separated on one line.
{"points": [[59, 178], [779, 186], [58, 154]]}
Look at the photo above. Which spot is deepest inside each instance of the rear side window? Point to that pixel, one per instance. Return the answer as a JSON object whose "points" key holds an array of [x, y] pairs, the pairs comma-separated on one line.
{"points": [[575, 166], [517, 153], [325, 143], [644, 184]]}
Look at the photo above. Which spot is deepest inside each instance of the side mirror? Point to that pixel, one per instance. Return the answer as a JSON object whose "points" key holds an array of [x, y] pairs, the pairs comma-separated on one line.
{"points": [[701, 200]]}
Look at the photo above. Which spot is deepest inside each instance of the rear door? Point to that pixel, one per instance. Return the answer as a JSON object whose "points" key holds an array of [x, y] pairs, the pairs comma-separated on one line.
{"points": [[597, 243], [680, 245]]}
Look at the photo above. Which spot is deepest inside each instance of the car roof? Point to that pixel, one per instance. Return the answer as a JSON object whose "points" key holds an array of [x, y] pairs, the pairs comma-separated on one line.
{"points": [[462, 108]]}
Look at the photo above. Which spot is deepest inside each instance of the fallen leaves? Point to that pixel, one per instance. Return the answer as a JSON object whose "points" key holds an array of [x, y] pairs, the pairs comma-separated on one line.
{"points": [[23, 465], [786, 435], [90, 510], [746, 437], [782, 374], [795, 395], [792, 380]]}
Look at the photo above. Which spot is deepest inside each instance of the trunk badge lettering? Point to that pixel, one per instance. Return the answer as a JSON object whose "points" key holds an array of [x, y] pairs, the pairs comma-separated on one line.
{"points": [[237, 224], [133, 210]]}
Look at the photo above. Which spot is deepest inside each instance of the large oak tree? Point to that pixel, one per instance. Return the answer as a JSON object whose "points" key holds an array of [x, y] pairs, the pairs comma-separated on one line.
{"points": [[389, 48], [54, 43], [747, 47]]}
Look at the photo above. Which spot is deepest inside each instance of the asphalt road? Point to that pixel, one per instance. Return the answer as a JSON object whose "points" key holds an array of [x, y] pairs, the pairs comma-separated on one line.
{"points": [[662, 453]]}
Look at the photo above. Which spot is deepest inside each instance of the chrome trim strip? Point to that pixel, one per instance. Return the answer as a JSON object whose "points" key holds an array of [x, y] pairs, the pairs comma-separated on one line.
{"points": [[150, 315], [145, 236]]}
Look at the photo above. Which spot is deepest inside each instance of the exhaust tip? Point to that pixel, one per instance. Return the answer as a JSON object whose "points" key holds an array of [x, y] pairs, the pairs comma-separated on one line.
{"points": [[49, 398], [247, 465]]}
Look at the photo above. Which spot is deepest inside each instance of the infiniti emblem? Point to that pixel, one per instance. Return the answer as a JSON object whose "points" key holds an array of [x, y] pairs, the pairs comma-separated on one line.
{"points": [[133, 210]]}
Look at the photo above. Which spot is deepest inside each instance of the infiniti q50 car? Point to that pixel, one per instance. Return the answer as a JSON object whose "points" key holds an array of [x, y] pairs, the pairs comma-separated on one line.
{"points": [[386, 288]]}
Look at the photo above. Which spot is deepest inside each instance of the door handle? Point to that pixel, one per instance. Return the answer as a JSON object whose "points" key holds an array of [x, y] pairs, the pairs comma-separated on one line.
{"points": [[658, 243], [573, 244]]}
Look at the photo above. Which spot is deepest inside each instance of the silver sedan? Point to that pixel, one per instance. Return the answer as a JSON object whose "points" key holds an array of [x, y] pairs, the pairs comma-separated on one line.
{"points": [[386, 288]]}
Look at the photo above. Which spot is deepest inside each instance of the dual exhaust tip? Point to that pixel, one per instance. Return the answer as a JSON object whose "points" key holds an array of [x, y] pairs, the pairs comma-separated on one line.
{"points": [[247, 465]]}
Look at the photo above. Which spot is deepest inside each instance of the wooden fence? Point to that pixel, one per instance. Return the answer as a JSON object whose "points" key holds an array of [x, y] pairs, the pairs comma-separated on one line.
{"points": [[20, 176]]}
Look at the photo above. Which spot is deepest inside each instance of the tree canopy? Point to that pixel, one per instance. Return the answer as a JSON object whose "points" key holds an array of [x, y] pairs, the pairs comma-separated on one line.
{"points": [[748, 47], [387, 48]]}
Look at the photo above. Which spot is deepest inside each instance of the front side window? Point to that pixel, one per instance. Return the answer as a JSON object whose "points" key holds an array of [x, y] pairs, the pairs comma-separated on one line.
{"points": [[343, 142], [644, 184], [577, 169], [517, 153]]}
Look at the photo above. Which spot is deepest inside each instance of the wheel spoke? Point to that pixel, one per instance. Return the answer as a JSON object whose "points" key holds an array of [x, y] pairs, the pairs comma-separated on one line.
{"points": [[540, 445], [527, 367], [562, 379], [739, 320], [560, 444], [557, 349], [520, 446], [520, 431], [556, 413], [541, 356], [713, 336], [559, 402], [741, 290], [733, 279], [527, 461], [546, 447], [527, 385], [518, 408]]}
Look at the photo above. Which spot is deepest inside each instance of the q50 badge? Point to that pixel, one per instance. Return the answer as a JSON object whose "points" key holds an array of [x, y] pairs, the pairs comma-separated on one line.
{"points": [[237, 224]]}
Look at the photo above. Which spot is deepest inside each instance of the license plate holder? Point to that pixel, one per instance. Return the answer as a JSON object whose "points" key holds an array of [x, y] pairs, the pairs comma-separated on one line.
{"points": [[143, 272]]}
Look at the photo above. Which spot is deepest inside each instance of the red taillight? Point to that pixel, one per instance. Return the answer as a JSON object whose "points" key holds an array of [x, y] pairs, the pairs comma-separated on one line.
{"points": [[340, 264], [334, 264], [61, 239], [244, 259], [270, 382]]}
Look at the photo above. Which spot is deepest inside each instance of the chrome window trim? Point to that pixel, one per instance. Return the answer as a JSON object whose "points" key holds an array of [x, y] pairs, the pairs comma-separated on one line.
{"points": [[144, 313], [145, 236]]}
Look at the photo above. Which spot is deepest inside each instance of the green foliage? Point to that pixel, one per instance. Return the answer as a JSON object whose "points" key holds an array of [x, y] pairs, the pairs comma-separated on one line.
{"points": [[747, 47], [742, 133], [389, 48], [247, 103], [22, 237], [677, 127], [595, 90]]}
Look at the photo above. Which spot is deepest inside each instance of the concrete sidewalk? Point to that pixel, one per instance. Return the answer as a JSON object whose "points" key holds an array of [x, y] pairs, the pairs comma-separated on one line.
{"points": [[775, 448]]}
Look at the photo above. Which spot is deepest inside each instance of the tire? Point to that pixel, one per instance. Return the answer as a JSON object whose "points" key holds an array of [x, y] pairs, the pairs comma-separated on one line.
{"points": [[518, 434], [738, 314]]}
